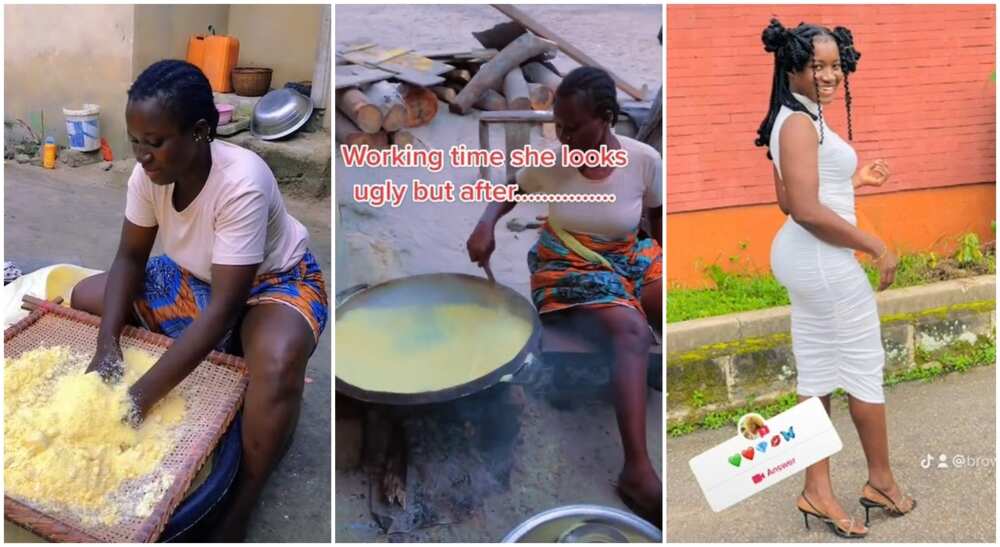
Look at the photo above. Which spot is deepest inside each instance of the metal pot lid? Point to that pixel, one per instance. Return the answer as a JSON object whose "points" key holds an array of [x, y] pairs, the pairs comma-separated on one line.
{"points": [[280, 113]]}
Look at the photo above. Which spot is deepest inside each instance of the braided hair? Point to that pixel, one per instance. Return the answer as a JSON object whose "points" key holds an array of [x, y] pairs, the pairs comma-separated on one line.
{"points": [[793, 49], [183, 89], [597, 86]]}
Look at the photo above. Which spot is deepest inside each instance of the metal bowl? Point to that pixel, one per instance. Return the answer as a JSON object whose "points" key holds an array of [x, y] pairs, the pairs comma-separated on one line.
{"points": [[584, 524], [280, 113]]}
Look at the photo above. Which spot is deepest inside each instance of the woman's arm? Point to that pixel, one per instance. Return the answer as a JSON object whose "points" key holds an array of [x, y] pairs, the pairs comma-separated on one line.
{"points": [[123, 284], [779, 190], [656, 223], [800, 167], [230, 288], [481, 242]]}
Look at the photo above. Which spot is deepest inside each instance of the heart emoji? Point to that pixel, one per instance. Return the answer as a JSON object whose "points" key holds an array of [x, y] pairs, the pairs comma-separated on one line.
{"points": [[763, 431], [735, 460], [757, 478], [748, 453], [762, 447], [776, 440]]}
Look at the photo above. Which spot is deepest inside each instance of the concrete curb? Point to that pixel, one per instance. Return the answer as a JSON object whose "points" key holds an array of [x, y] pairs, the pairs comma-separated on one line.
{"points": [[687, 336]]}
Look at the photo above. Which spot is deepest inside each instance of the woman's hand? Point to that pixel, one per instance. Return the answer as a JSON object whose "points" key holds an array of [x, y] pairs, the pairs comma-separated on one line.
{"points": [[875, 173], [481, 243], [886, 263], [108, 362]]}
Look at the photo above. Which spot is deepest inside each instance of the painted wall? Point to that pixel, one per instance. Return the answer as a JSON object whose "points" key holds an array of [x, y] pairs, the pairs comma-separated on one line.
{"points": [[739, 238], [56, 56], [163, 31], [280, 37], [923, 97]]}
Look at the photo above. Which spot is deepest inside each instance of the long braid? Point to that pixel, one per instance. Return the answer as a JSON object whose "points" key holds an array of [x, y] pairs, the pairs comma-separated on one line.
{"points": [[819, 107], [847, 101]]}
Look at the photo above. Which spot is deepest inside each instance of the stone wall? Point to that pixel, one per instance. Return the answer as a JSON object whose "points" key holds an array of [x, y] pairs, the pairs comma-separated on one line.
{"points": [[726, 362]]}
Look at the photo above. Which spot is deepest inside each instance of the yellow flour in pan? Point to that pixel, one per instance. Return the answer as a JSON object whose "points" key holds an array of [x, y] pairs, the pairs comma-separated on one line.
{"points": [[65, 444], [413, 349]]}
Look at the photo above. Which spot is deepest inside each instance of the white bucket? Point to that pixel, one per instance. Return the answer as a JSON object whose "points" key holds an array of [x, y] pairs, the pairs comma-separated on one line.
{"points": [[83, 127]]}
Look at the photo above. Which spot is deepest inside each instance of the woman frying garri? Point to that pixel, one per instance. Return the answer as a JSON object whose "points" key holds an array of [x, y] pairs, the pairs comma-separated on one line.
{"points": [[590, 269], [836, 332], [237, 274]]}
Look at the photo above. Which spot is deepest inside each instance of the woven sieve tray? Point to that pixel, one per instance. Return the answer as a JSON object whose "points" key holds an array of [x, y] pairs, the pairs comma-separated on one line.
{"points": [[213, 393]]}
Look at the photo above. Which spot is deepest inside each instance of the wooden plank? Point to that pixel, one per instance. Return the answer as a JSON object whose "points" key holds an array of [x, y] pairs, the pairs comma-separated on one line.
{"points": [[491, 75], [517, 116], [374, 55], [569, 49], [481, 54], [321, 71], [357, 75]]}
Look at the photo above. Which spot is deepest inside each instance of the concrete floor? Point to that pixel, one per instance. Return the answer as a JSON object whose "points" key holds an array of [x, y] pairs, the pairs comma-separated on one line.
{"points": [[954, 415], [75, 215]]}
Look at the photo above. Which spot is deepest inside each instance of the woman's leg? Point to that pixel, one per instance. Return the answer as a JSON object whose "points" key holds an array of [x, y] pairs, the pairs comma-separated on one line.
{"points": [[869, 419], [818, 489], [88, 294], [652, 304], [277, 343], [626, 333]]}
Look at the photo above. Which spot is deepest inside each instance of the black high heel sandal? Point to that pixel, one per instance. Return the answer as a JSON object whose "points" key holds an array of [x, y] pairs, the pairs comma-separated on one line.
{"points": [[890, 508], [847, 533]]}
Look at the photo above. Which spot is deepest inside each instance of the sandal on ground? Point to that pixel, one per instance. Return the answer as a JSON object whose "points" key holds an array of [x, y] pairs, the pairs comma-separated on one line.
{"points": [[891, 508], [835, 525]]}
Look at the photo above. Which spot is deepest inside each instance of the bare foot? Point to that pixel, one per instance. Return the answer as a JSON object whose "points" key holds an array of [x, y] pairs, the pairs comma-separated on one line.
{"points": [[825, 505], [642, 492]]}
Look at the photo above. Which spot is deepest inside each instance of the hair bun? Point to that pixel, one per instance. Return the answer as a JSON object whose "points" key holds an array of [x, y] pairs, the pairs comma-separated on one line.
{"points": [[775, 36], [848, 55]]}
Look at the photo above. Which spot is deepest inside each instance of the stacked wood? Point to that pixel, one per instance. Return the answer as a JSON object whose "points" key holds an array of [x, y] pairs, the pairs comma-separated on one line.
{"points": [[347, 132], [386, 98], [493, 74], [515, 89], [421, 105], [540, 74], [541, 97], [382, 113], [354, 104], [491, 100]]}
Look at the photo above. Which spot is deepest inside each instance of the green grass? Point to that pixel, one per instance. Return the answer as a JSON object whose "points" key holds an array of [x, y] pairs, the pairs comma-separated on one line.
{"points": [[961, 357], [747, 291]]}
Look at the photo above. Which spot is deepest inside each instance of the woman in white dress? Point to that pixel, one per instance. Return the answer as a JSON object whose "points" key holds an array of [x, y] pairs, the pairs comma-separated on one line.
{"points": [[836, 333]]}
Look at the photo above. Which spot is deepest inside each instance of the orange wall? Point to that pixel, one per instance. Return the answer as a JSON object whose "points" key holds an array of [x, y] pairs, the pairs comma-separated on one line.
{"points": [[919, 220], [923, 98]]}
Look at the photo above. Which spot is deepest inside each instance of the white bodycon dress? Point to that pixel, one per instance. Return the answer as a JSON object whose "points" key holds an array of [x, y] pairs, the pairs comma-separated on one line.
{"points": [[836, 333]]}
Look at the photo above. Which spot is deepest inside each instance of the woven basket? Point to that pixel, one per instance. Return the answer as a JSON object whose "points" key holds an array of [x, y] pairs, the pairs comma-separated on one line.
{"points": [[251, 81]]}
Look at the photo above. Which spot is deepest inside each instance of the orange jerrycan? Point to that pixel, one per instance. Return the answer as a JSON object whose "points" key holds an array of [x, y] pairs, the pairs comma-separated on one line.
{"points": [[216, 56]]}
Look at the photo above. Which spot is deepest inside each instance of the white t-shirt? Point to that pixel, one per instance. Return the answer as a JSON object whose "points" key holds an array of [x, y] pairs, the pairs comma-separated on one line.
{"points": [[636, 186], [237, 219]]}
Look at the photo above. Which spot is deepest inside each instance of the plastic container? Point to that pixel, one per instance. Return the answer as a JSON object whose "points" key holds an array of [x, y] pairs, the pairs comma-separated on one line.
{"points": [[49, 153], [216, 56], [225, 113], [83, 127]]}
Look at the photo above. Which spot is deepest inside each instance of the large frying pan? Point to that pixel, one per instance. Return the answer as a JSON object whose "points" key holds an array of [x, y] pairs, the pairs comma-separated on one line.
{"points": [[442, 288]]}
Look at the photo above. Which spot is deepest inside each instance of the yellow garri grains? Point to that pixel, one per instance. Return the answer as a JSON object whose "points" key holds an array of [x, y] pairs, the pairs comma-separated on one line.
{"points": [[65, 444]]}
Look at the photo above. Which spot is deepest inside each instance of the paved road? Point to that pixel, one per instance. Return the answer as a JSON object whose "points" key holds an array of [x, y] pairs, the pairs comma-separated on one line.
{"points": [[954, 415], [75, 215]]}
